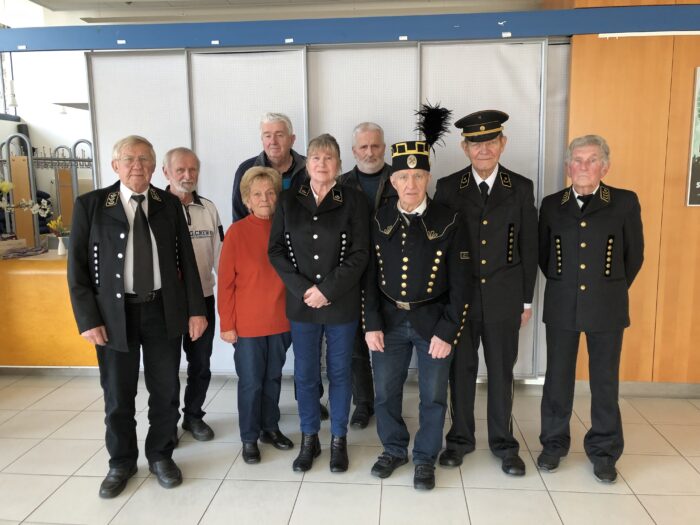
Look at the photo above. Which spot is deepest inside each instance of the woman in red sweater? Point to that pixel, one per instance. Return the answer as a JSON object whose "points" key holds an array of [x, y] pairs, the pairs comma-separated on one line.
{"points": [[251, 300]]}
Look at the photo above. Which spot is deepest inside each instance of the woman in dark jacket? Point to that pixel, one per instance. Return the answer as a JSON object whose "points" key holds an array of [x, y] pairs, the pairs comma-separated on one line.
{"points": [[319, 247]]}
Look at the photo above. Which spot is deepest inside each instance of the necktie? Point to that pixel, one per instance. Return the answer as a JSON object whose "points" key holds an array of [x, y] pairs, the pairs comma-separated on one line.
{"points": [[484, 189], [585, 199], [143, 251]]}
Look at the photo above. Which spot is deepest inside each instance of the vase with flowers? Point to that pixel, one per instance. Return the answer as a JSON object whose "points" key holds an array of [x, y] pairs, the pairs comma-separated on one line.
{"points": [[61, 232]]}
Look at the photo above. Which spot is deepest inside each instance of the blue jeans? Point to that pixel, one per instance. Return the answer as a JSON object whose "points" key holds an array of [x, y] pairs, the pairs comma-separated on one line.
{"points": [[340, 339], [259, 362], [390, 371]]}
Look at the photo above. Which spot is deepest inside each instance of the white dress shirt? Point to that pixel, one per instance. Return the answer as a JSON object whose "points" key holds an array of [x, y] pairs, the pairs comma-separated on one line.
{"points": [[576, 194]]}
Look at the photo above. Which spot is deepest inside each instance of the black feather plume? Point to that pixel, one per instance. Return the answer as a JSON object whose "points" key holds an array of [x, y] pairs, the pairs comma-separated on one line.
{"points": [[433, 122]]}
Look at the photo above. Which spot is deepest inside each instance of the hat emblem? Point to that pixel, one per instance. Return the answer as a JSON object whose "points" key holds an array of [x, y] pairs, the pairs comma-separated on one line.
{"points": [[482, 128], [411, 161]]}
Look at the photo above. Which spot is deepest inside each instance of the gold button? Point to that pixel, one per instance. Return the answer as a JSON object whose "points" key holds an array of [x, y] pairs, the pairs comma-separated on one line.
{"points": [[510, 252], [610, 241], [607, 265], [404, 276], [403, 292], [583, 266], [429, 290], [583, 245], [437, 261], [404, 267], [454, 342], [483, 280], [557, 240], [483, 261], [383, 283], [377, 246], [403, 235], [405, 259], [607, 272], [583, 287], [430, 283], [608, 259], [484, 222], [403, 285], [435, 268], [584, 224], [432, 276], [438, 253], [483, 241]]}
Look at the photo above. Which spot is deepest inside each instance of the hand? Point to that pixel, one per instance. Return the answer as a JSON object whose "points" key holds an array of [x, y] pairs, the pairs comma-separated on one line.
{"points": [[197, 325], [97, 335], [439, 349], [229, 336], [375, 340], [525, 316], [314, 298]]}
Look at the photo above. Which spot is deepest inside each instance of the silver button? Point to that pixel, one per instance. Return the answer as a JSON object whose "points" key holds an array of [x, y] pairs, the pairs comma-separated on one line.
{"points": [[95, 248], [119, 296], [118, 276], [318, 276], [316, 257], [120, 255], [315, 218], [343, 235], [121, 236], [315, 236]]}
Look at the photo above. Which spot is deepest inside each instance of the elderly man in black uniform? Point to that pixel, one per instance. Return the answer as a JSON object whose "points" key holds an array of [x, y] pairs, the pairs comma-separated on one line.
{"points": [[134, 283], [416, 294], [591, 249], [499, 208], [371, 176]]}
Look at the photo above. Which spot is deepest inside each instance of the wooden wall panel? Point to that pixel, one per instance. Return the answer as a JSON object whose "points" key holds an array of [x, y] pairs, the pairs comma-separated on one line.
{"points": [[620, 89], [677, 355]]}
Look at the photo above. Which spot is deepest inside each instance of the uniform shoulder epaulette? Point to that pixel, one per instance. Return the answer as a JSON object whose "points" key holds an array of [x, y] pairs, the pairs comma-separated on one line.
{"points": [[605, 194], [304, 190], [154, 195], [337, 195], [464, 181], [112, 199], [505, 180], [566, 196]]}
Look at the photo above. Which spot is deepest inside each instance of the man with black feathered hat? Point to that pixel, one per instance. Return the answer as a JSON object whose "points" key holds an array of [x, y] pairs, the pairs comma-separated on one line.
{"points": [[499, 209], [416, 294]]}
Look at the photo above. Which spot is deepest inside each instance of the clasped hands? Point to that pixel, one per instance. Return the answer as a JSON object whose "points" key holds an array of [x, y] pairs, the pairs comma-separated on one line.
{"points": [[314, 298], [438, 349]]}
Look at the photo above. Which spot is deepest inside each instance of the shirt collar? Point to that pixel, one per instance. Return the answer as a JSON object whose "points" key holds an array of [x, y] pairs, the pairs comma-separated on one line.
{"points": [[420, 209], [490, 180], [576, 194], [127, 193], [315, 194]]}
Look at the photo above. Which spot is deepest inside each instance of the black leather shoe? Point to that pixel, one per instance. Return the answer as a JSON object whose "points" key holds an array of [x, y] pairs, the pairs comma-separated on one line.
{"points": [[310, 449], [386, 464], [115, 481], [360, 416], [339, 454], [451, 458], [276, 439], [424, 477], [167, 472], [513, 466], [250, 453], [200, 430], [605, 473], [547, 462], [324, 412]]}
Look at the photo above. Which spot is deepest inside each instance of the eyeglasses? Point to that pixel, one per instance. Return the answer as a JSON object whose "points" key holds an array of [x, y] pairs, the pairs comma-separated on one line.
{"points": [[130, 161]]}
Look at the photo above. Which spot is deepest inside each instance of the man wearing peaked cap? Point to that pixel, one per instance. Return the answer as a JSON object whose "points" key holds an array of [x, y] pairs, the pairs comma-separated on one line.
{"points": [[416, 294], [499, 209]]}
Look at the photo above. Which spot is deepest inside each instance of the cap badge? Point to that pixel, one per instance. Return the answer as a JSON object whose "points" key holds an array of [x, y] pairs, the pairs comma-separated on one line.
{"points": [[482, 128], [411, 161]]}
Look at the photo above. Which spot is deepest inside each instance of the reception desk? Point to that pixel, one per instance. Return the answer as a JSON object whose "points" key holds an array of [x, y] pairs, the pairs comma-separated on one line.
{"points": [[38, 328]]}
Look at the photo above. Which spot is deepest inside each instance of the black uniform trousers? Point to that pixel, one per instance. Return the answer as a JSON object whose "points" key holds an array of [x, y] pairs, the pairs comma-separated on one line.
{"points": [[198, 355], [500, 341], [119, 374], [362, 382], [603, 442]]}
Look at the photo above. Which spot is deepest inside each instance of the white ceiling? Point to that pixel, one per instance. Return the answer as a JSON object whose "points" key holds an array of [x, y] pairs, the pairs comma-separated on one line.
{"points": [[153, 11]]}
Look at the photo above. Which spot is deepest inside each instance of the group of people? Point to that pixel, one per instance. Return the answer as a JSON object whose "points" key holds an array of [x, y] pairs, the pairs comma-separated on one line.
{"points": [[366, 265]]}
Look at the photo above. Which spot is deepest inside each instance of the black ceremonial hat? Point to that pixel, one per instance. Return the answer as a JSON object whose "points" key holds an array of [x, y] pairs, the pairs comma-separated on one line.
{"points": [[410, 155], [482, 125]]}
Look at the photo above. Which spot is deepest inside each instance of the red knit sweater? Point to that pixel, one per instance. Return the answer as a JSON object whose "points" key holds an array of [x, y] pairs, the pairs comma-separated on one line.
{"points": [[250, 293]]}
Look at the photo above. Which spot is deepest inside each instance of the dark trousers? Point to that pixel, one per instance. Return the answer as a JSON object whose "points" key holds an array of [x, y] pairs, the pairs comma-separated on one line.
{"points": [[198, 355], [362, 383], [259, 362], [390, 371], [119, 374], [500, 341], [603, 442]]}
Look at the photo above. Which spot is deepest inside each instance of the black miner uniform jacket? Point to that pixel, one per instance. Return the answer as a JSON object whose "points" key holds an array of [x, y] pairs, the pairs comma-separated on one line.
{"points": [[385, 192], [326, 246], [503, 234], [99, 233], [418, 271], [590, 258]]}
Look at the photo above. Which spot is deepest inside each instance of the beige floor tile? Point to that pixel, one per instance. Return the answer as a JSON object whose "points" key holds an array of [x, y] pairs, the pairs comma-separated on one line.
{"points": [[182, 505], [672, 510], [15, 397], [252, 503], [65, 398], [498, 506], [659, 475], [224, 425], [86, 425], [575, 474], [584, 509], [667, 411], [685, 438], [9, 379], [13, 448], [695, 461], [695, 402], [531, 434], [35, 423], [8, 522], [362, 436], [20, 494], [275, 465], [49, 380], [98, 464], [321, 503], [85, 381], [481, 469], [361, 461], [405, 505], [642, 438], [7, 414], [77, 501], [210, 460], [57, 457], [526, 408], [582, 408], [223, 401]]}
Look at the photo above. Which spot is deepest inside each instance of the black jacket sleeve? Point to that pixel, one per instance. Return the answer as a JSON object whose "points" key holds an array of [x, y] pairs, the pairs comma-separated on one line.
{"points": [[633, 240], [528, 241]]}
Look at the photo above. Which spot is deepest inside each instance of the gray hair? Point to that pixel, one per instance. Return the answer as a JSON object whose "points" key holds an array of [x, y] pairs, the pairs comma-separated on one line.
{"points": [[179, 151], [589, 140], [277, 117], [131, 140], [259, 173], [366, 126]]}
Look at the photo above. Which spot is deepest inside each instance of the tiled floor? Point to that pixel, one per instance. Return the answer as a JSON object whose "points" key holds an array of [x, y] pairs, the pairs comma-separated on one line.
{"points": [[52, 460]]}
